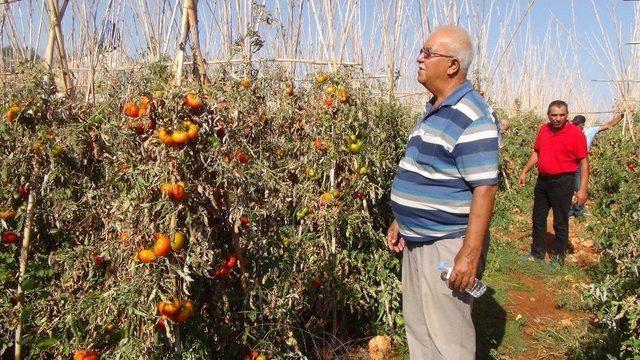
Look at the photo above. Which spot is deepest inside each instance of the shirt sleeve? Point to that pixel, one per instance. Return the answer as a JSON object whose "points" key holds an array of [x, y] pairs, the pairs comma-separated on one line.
{"points": [[591, 133], [580, 149], [536, 145], [476, 153]]}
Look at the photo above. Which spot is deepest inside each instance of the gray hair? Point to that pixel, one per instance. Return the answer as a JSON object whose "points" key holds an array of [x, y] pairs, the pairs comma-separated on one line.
{"points": [[459, 44]]}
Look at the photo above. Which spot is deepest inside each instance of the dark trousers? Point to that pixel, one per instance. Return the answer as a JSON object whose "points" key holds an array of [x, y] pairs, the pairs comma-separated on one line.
{"points": [[551, 192]]}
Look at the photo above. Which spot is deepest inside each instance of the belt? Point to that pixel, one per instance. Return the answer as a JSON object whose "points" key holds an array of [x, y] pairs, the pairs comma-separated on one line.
{"points": [[555, 176]]}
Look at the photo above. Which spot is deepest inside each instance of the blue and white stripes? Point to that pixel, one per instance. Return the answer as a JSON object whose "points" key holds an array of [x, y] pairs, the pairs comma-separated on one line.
{"points": [[452, 150]]}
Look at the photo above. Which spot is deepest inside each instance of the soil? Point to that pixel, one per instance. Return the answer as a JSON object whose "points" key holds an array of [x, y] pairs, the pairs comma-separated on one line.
{"points": [[536, 306], [538, 311]]}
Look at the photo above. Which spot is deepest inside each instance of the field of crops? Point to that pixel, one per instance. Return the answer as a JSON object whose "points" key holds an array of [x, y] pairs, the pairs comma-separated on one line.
{"points": [[246, 219]]}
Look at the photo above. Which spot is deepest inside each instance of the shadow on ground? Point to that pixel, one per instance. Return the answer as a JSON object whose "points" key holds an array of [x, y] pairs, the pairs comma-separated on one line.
{"points": [[490, 320]]}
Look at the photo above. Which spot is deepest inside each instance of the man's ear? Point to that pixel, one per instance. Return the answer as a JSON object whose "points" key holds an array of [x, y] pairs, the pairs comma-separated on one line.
{"points": [[454, 67]]}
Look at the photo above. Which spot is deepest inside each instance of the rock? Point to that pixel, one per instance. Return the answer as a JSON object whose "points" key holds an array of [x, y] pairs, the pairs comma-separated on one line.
{"points": [[380, 347]]}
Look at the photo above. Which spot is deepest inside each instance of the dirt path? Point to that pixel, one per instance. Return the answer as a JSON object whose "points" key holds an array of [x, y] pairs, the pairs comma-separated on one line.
{"points": [[540, 309]]}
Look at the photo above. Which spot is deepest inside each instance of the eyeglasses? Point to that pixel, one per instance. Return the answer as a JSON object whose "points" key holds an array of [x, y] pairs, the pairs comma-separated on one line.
{"points": [[428, 54]]}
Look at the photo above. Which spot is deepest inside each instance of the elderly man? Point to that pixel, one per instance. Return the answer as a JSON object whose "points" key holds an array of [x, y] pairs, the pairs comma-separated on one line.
{"points": [[442, 198], [559, 150]]}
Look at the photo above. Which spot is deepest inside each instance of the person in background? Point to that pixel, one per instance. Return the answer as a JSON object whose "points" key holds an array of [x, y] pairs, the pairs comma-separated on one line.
{"points": [[559, 150], [442, 199], [590, 133]]}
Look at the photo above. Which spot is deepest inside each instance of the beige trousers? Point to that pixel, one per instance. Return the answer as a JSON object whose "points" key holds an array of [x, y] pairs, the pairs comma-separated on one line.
{"points": [[437, 319]]}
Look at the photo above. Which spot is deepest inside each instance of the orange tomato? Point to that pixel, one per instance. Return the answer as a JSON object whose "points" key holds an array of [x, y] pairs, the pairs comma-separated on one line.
{"points": [[193, 102], [185, 313], [245, 83], [326, 198], [177, 192], [242, 157], [320, 145], [98, 260], [131, 110], [146, 256], [162, 246], [328, 101], [288, 90], [86, 355], [179, 137], [91, 355], [166, 189], [79, 355], [192, 130], [165, 136], [342, 94], [7, 214], [12, 112], [168, 309], [231, 262]]}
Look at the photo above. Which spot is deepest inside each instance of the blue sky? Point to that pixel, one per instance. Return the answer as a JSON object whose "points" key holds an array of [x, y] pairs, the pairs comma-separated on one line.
{"points": [[586, 29]]}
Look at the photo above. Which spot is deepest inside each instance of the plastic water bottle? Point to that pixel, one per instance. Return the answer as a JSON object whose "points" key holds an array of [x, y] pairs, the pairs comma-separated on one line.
{"points": [[476, 290]]}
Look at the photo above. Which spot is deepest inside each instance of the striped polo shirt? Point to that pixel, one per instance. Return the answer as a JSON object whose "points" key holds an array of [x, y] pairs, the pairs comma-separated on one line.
{"points": [[452, 149]]}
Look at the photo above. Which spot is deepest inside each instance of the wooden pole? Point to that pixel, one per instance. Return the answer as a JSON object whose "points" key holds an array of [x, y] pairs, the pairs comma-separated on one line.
{"points": [[24, 254], [195, 41], [184, 31], [55, 19]]}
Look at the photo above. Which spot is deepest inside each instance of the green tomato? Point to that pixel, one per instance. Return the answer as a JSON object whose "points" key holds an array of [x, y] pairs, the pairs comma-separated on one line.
{"points": [[214, 141], [355, 148], [301, 213], [57, 150]]}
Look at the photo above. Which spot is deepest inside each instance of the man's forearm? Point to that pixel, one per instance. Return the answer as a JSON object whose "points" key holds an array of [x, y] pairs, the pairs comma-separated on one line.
{"points": [[533, 160], [584, 174], [479, 217]]}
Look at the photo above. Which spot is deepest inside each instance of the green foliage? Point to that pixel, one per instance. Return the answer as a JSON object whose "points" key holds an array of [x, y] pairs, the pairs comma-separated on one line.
{"points": [[614, 294], [313, 280]]}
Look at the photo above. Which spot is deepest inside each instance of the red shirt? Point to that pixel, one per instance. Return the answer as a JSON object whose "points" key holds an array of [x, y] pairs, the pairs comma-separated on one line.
{"points": [[560, 151]]}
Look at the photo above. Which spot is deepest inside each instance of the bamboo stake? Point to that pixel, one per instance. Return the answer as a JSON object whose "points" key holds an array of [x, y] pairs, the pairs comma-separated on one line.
{"points": [[184, 30], [248, 24], [195, 41], [54, 22], [24, 254]]}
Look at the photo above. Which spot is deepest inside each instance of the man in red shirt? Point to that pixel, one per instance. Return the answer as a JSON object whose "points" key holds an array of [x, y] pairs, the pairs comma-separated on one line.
{"points": [[560, 149]]}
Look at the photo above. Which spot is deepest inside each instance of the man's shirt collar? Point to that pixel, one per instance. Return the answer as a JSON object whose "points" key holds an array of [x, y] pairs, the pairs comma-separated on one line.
{"points": [[453, 98]]}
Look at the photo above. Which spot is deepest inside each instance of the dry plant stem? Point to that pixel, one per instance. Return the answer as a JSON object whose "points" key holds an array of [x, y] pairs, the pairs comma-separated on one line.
{"points": [[176, 280], [236, 245], [234, 225], [332, 180], [24, 254]]}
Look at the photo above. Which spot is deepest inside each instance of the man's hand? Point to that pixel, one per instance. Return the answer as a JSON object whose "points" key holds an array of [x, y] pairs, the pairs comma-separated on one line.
{"points": [[395, 242], [581, 197], [523, 179], [465, 269]]}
